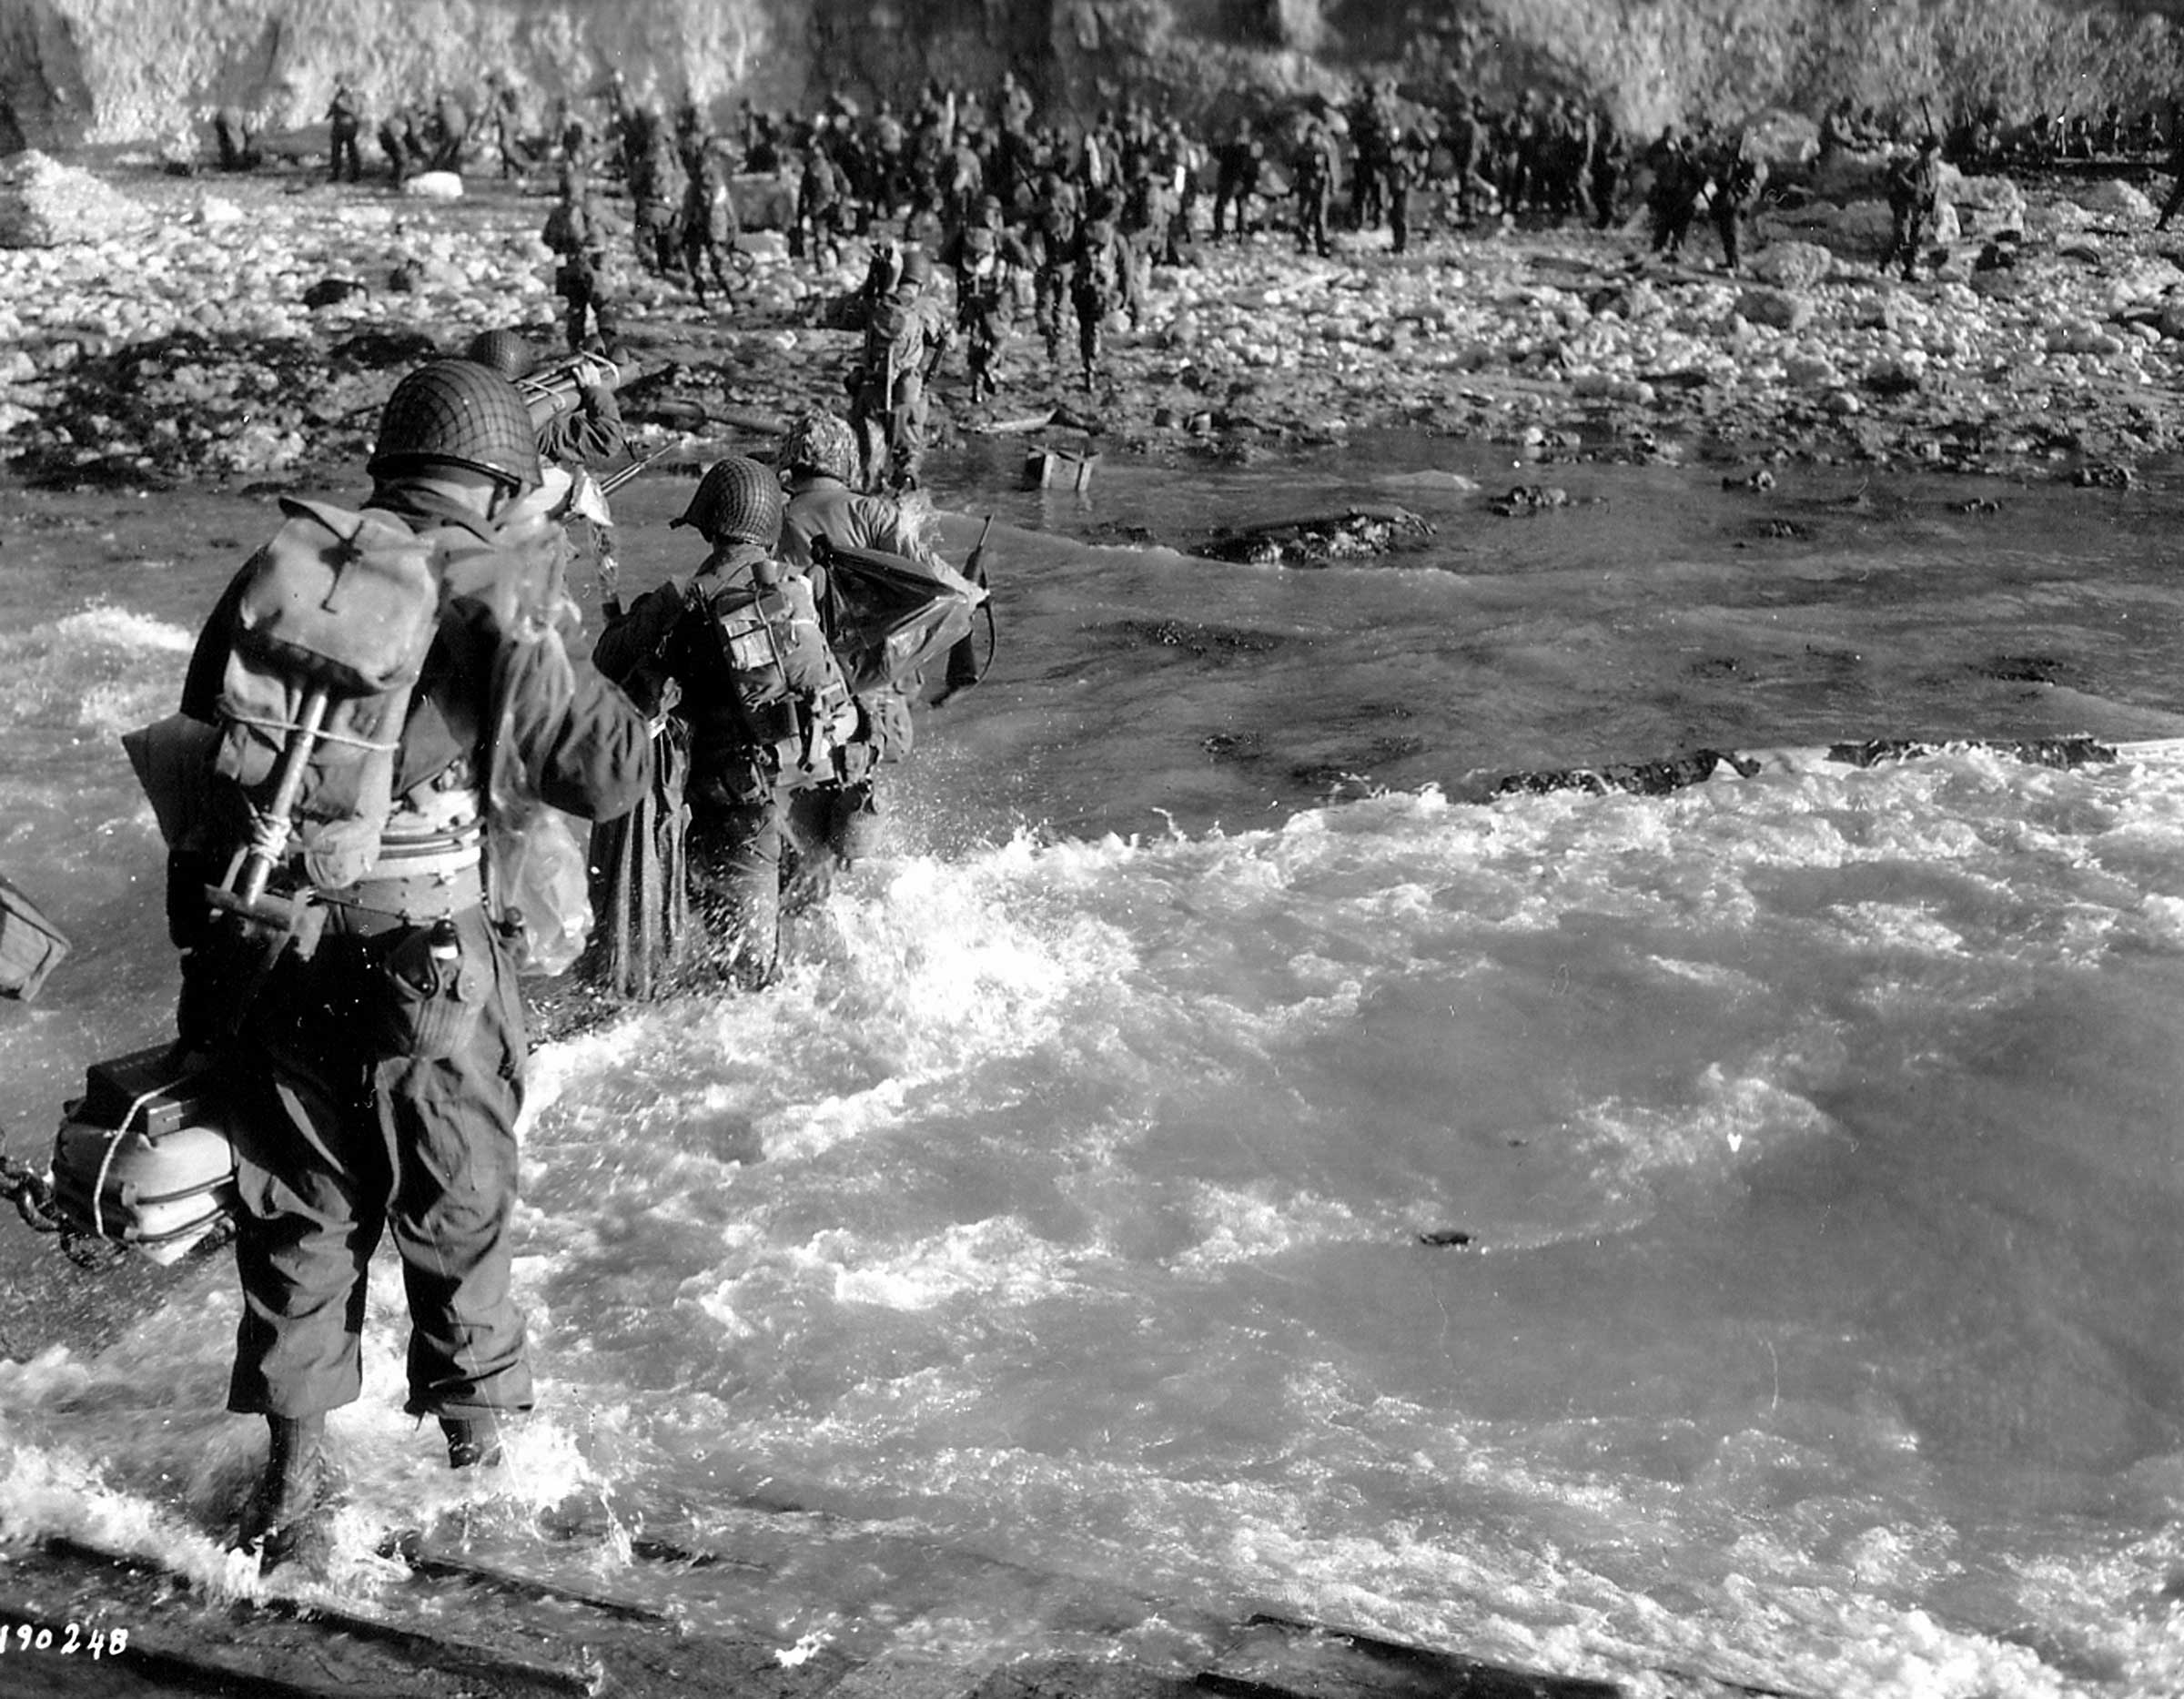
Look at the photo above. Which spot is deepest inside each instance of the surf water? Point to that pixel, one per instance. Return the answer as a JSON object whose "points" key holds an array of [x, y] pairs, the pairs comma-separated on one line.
{"points": [[1219, 1157]]}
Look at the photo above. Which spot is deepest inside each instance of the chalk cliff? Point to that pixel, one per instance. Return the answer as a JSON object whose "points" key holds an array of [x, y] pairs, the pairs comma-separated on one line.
{"points": [[74, 72]]}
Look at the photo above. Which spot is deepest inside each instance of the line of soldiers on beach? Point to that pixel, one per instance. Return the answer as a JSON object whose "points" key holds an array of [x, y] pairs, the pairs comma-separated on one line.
{"points": [[1357, 160]]}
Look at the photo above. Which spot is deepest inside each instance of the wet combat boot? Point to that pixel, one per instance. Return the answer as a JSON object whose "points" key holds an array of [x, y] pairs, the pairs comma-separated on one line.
{"points": [[473, 1442], [288, 1516]]}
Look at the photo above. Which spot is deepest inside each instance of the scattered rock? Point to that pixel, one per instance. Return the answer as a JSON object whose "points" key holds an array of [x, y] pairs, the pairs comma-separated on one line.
{"points": [[1531, 498], [1549, 341], [416, 276], [1987, 204], [1792, 265], [1899, 373], [1355, 534], [2082, 336], [2111, 198], [1777, 309], [433, 185], [47, 203], [332, 291]]}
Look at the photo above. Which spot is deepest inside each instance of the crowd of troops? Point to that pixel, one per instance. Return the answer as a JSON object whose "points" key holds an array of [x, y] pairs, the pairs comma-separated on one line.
{"points": [[1064, 228], [1060, 230]]}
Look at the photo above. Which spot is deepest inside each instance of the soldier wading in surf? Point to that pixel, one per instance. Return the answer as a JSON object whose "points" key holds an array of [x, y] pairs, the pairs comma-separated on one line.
{"points": [[371, 698]]}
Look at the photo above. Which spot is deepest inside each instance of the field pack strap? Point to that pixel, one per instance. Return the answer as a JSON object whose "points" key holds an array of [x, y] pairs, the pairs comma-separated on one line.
{"points": [[235, 714]]}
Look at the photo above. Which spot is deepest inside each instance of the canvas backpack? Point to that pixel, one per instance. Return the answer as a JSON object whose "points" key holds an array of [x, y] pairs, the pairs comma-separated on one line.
{"points": [[339, 609]]}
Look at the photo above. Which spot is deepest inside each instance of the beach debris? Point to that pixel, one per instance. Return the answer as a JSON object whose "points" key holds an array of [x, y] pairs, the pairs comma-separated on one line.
{"points": [[1357, 532]]}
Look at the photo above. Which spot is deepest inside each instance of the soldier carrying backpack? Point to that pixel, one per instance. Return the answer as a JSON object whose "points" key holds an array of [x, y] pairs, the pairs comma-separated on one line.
{"points": [[1102, 281], [772, 730], [375, 700], [906, 335]]}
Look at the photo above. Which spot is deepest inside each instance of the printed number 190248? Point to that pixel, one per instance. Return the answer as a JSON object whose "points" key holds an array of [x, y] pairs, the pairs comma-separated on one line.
{"points": [[94, 1640]]}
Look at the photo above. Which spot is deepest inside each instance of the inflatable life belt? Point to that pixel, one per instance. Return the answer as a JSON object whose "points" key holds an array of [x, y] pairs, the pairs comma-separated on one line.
{"points": [[144, 1157]]}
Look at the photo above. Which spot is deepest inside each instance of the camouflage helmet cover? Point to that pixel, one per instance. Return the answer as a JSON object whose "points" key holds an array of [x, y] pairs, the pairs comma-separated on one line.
{"points": [[459, 413], [503, 351], [818, 441], [737, 501]]}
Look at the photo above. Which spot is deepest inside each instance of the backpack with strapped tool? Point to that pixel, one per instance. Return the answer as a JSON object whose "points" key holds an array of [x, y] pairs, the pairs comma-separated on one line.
{"points": [[331, 628]]}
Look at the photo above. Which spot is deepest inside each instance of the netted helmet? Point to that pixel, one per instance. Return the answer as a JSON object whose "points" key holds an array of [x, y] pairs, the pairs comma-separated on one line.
{"points": [[738, 501], [502, 351], [817, 442], [456, 412]]}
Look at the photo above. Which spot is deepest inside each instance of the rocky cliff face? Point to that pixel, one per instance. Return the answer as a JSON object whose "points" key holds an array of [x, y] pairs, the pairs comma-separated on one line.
{"points": [[91, 71]]}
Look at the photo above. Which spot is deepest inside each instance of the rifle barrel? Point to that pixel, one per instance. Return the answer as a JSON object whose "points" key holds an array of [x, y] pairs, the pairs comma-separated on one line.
{"points": [[622, 475]]}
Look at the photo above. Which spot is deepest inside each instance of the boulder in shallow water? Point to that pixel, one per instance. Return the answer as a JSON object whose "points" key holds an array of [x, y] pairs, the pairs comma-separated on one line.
{"points": [[47, 203], [1353, 534]]}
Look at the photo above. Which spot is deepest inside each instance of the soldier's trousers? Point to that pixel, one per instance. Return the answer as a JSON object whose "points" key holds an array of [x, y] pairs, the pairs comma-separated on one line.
{"points": [[1311, 221], [753, 866], [2175, 200], [1726, 222], [1908, 225], [588, 300], [339, 1145]]}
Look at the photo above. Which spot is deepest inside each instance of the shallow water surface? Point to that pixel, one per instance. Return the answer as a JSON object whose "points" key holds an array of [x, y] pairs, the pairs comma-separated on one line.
{"points": [[1054, 1254]]}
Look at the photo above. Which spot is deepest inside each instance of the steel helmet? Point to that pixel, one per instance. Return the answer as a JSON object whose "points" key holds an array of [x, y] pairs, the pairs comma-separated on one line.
{"points": [[917, 266], [458, 413], [817, 442], [737, 501], [502, 351]]}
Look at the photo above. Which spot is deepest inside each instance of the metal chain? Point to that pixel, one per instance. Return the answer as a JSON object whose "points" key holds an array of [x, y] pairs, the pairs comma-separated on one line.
{"points": [[31, 1195]]}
